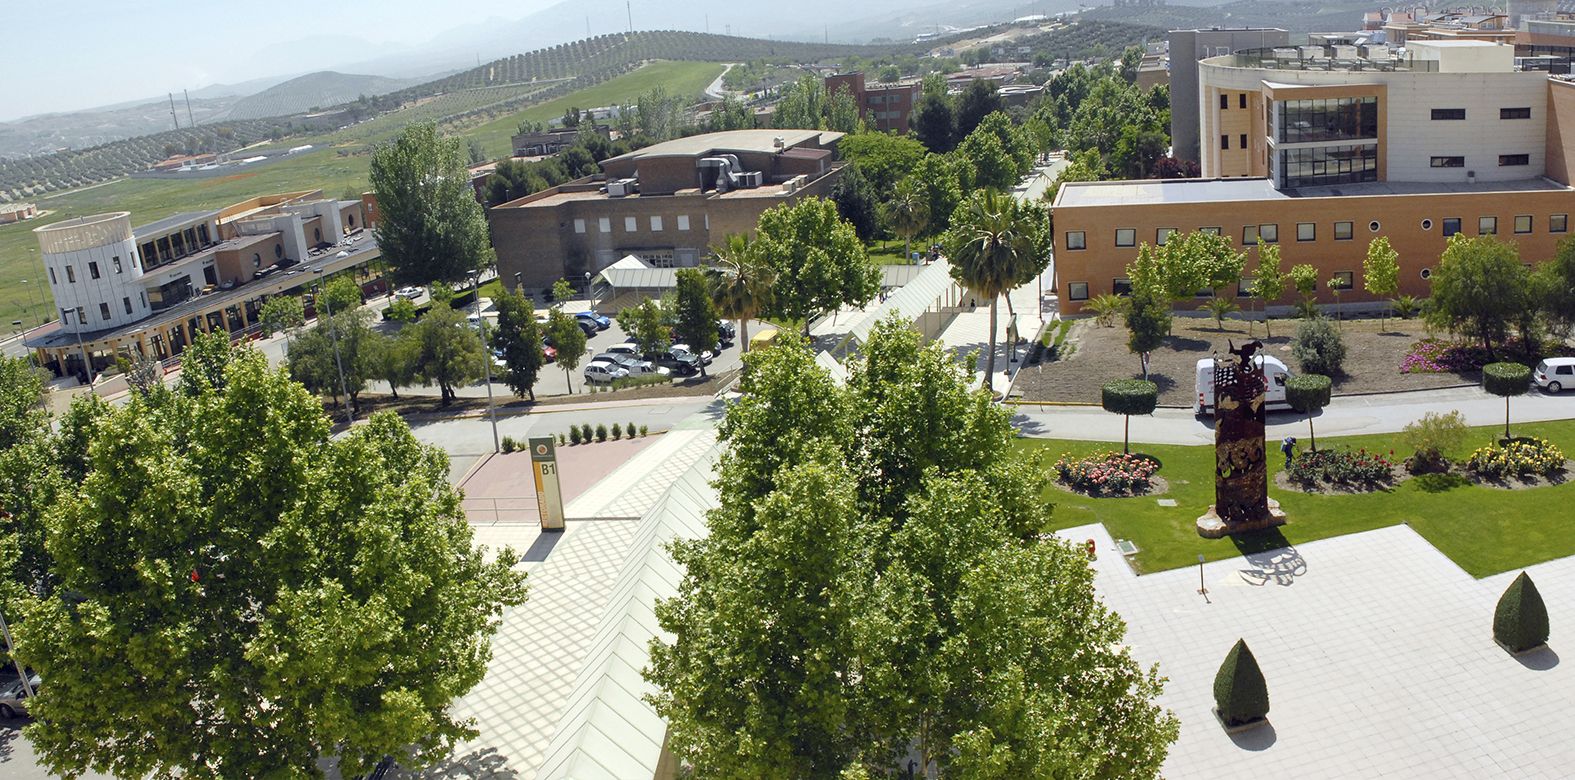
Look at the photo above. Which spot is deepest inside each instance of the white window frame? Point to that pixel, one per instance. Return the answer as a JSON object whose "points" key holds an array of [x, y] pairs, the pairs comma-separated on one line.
{"points": [[631, 224], [656, 223], [683, 221], [604, 224]]}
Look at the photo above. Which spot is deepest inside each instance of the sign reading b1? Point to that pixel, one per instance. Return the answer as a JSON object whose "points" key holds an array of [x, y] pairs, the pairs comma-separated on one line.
{"points": [[549, 498]]}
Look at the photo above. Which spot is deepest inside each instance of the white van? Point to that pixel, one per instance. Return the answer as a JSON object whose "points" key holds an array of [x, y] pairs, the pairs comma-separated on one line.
{"points": [[1274, 372], [1555, 373]]}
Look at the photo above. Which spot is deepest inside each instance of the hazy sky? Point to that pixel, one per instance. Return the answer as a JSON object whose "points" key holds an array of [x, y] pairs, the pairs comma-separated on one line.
{"points": [[73, 54]]}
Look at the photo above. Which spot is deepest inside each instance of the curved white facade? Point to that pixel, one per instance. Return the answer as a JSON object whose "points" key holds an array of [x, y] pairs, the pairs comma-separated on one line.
{"points": [[94, 272]]}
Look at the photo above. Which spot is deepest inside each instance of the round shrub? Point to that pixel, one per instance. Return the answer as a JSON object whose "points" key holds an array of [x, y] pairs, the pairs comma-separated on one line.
{"points": [[1433, 438], [1318, 347], [574, 435], [643, 431], [617, 431], [1308, 393], [1506, 379], [630, 430], [1521, 620], [1240, 692], [585, 432], [601, 432], [1129, 396]]}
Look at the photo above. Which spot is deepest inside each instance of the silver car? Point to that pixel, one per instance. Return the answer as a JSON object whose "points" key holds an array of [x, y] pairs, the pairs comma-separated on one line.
{"points": [[13, 699], [632, 364]]}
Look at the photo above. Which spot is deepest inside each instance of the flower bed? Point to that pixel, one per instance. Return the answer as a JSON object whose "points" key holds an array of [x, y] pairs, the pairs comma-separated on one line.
{"points": [[1107, 474], [1521, 457], [1353, 468], [1433, 356]]}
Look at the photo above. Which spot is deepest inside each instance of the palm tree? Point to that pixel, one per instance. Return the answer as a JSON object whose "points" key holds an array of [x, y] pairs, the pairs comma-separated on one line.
{"points": [[908, 213], [990, 241], [740, 283]]}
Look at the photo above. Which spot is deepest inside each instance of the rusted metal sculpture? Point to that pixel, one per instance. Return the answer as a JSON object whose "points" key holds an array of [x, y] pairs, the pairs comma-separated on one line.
{"points": [[1241, 470]]}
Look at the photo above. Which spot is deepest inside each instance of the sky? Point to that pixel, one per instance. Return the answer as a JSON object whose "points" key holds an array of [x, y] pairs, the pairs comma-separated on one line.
{"points": [[79, 54]]}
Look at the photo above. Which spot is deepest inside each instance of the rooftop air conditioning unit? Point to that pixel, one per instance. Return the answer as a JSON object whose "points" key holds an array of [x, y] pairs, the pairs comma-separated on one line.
{"points": [[779, 143], [617, 189]]}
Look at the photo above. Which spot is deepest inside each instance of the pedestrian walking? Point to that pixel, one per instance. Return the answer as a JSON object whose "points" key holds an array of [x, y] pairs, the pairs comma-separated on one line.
{"points": [[1288, 446]]}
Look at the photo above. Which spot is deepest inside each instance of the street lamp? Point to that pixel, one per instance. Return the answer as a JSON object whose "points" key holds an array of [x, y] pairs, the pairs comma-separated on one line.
{"points": [[34, 293], [333, 336], [87, 365], [486, 360], [518, 285], [588, 291]]}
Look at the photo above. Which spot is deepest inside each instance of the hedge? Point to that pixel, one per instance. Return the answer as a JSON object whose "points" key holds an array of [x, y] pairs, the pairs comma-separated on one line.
{"points": [[1128, 397], [1308, 394], [1506, 379]]}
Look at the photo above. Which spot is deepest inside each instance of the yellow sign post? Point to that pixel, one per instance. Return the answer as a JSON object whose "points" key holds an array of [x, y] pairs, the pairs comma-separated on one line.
{"points": [[549, 498]]}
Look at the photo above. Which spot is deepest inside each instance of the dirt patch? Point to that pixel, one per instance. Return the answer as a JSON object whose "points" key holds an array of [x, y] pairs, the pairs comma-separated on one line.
{"points": [[1374, 351], [1157, 486], [1397, 475]]}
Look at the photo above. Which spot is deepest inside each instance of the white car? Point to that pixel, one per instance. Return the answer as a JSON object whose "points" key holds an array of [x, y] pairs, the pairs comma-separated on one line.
{"points": [[600, 371], [342, 253], [626, 348], [683, 349], [409, 293], [632, 364], [1555, 373], [13, 699]]}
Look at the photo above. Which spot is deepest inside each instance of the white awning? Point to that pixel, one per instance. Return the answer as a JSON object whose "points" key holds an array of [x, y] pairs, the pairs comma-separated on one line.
{"points": [[631, 273]]}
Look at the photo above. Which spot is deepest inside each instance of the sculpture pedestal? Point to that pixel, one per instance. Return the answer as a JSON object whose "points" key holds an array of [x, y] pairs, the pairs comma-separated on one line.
{"points": [[1212, 526]]}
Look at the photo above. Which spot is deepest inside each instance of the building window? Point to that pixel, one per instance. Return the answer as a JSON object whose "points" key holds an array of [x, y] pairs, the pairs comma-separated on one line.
{"points": [[71, 275], [1075, 240], [683, 221], [1121, 286], [1523, 223], [1372, 227], [256, 260], [1326, 119], [1487, 226], [1306, 231], [1269, 234], [1242, 100], [278, 251], [1243, 141], [1126, 237], [604, 224], [1342, 231], [1515, 113], [93, 268], [579, 226], [1213, 231], [1505, 160], [1308, 167], [1161, 235], [1249, 235], [1244, 287], [1451, 226], [630, 225], [81, 316], [1449, 113], [1447, 162], [1077, 291], [127, 302], [103, 310], [144, 296], [1558, 223], [116, 261], [1225, 142], [1224, 101], [1427, 224], [656, 224], [1343, 280], [52, 277]]}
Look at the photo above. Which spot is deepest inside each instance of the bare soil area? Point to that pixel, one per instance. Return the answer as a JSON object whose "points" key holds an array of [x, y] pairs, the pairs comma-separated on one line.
{"points": [[1374, 351]]}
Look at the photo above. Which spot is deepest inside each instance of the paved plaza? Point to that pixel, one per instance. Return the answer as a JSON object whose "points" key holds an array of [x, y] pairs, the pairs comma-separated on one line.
{"points": [[1379, 657]]}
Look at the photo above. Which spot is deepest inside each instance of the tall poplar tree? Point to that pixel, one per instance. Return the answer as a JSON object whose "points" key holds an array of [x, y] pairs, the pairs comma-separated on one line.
{"points": [[429, 226]]}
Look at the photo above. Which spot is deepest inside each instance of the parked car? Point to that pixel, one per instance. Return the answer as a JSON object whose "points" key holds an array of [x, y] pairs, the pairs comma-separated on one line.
{"points": [[763, 339], [705, 356], [342, 254], [409, 293], [632, 364], [601, 321], [1555, 373], [678, 365], [13, 699], [587, 326], [1274, 372], [726, 333], [627, 348], [602, 371]]}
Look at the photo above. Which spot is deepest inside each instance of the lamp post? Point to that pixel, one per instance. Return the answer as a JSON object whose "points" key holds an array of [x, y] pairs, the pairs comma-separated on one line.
{"points": [[486, 361], [517, 284], [33, 293], [333, 336], [1202, 590], [592, 301], [87, 365]]}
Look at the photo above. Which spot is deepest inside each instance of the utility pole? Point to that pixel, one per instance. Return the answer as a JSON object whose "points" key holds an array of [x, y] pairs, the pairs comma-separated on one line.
{"points": [[190, 120], [486, 355], [333, 335], [173, 116], [628, 8]]}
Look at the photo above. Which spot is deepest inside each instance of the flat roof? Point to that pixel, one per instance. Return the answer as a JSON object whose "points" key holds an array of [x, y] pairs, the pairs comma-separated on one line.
{"points": [[729, 141], [1137, 193], [171, 222]]}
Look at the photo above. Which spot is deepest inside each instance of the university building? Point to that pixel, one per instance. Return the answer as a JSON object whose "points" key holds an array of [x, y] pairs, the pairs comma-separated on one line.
{"points": [[1320, 149], [884, 106], [147, 290], [666, 204]]}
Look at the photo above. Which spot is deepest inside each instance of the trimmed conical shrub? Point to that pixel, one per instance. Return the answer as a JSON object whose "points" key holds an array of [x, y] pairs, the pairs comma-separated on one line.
{"points": [[1240, 692], [1521, 620]]}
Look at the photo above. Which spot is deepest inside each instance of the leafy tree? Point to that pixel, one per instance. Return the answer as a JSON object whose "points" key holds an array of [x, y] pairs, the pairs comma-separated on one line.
{"points": [[1318, 347], [561, 291], [1433, 438], [202, 364], [393, 361], [520, 339], [647, 325], [430, 226], [740, 283], [977, 101], [842, 112], [341, 346], [282, 314], [816, 258], [803, 105], [476, 152], [991, 163], [401, 310], [1106, 307], [858, 204], [447, 351], [935, 123], [567, 337], [339, 295], [1240, 694], [1479, 287], [936, 178], [1017, 142], [907, 213], [1507, 380], [1304, 278], [1131, 58], [992, 239], [1127, 397], [1381, 271], [1268, 282], [1148, 322], [696, 312], [1309, 394], [883, 158], [31, 478], [273, 625], [1219, 309], [1138, 150], [1558, 288], [1520, 621]]}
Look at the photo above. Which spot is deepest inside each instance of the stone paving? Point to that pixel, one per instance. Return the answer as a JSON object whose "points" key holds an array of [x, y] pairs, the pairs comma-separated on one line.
{"points": [[1378, 653]]}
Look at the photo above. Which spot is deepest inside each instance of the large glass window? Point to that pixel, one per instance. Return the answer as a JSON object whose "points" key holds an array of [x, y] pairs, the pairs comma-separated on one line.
{"points": [[1328, 165], [1487, 226], [1331, 119]]}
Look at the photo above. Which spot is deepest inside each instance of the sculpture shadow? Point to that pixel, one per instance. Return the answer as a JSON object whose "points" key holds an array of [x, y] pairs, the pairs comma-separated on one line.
{"points": [[479, 764], [1028, 426], [1258, 739], [1184, 344], [1539, 660], [1161, 381], [1270, 558]]}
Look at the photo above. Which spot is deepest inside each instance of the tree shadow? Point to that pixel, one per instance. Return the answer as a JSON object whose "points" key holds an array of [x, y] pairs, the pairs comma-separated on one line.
{"points": [[1258, 739], [10, 732], [1439, 483], [1185, 344], [1541, 660], [1161, 381], [1028, 426], [480, 764]]}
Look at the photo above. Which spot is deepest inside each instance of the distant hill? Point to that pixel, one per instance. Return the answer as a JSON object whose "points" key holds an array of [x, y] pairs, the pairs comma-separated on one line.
{"points": [[1297, 16], [313, 91]]}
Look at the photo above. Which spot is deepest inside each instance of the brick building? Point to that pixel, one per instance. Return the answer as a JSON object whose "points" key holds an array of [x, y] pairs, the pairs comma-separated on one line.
{"points": [[885, 107]]}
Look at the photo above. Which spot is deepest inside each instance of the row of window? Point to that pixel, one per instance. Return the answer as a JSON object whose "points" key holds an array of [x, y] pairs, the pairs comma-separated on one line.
{"points": [[1225, 142], [1269, 233], [103, 311], [631, 224], [1520, 112], [1504, 160], [1078, 291], [1225, 100], [71, 272]]}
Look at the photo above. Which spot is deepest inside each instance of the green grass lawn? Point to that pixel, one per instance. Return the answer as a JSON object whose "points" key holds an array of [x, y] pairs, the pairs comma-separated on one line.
{"points": [[890, 252], [1484, 530], [335, 171]]}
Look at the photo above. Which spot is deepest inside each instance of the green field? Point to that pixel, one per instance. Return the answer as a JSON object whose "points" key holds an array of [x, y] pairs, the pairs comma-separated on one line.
{"points": [[1484, 530], [335, 171]]}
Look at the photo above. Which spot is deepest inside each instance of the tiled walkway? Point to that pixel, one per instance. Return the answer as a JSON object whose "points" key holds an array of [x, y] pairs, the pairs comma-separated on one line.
{"points": [[1378, 653]]}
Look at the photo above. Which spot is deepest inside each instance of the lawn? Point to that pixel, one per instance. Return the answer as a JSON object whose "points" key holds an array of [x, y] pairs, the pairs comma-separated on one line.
{"points": [[1483, 530], [335, 171]]}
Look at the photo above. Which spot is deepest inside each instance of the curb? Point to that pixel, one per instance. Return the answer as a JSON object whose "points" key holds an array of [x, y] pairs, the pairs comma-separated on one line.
{"points": [[474, 467]]}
